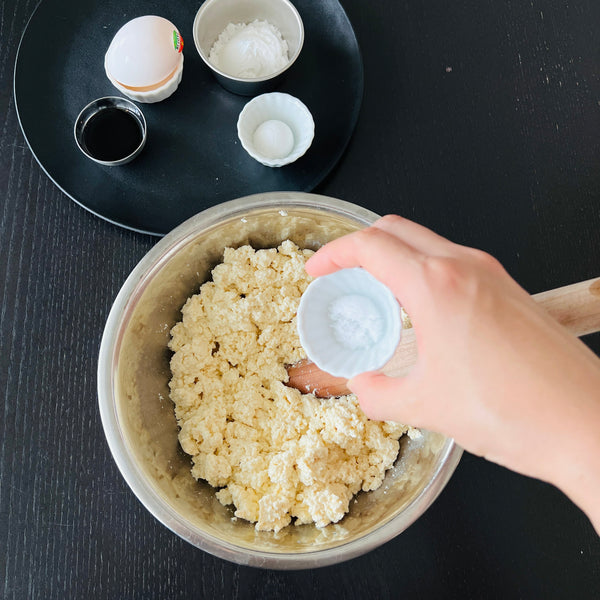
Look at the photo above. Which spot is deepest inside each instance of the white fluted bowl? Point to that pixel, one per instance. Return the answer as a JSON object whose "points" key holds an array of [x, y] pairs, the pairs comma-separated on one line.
{"points": [[280, 107], [379, 332]]}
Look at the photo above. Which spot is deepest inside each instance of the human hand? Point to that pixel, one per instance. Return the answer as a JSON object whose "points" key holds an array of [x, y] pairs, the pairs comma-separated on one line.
{"points": [[494, 370]]}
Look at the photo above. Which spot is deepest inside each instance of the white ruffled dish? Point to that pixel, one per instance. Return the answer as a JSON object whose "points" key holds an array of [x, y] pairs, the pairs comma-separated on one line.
{"points": [[159, 94], [349, 323], [284, 108]]}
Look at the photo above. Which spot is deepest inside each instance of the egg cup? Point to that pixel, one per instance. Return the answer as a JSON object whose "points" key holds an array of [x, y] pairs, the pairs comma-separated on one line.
{"points": [[154, 95], [280, 107], [144, 60]]}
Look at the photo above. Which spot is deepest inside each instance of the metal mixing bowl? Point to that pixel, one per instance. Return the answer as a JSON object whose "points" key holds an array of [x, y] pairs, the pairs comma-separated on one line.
{"points": [[138, 416]]}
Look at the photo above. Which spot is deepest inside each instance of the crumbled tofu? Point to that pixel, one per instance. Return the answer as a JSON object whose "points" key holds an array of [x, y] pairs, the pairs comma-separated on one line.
{"points": [[275, 454]]}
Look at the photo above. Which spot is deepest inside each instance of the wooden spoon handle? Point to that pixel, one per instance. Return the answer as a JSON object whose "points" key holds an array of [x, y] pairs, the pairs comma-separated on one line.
{"points": [[576, 307], [404, 357]]}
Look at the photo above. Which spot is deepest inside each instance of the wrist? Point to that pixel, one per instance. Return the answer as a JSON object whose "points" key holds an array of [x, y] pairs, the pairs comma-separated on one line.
{"points": [[578, 473]]}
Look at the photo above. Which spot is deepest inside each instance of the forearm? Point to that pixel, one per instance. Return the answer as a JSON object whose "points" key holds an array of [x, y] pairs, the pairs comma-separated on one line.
{"points": [[564, 427], [579, 475]]}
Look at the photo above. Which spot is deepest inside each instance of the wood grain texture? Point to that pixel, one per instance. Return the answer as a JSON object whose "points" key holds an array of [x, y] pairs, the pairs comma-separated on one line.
{"points": [[480, 120]]}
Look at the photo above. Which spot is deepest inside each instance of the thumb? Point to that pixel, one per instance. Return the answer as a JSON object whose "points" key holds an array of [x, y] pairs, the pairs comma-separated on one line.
{"points": [[384, 398]]}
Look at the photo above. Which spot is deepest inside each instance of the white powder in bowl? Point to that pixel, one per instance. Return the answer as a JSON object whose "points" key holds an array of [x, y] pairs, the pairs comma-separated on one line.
{"points": [[355, 321], [273, 139], [249, 50]]}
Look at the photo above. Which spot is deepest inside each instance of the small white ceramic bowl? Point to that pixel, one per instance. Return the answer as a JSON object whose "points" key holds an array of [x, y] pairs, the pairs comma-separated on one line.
{"points": [[148, 97], [279, 107], [349, 323]]}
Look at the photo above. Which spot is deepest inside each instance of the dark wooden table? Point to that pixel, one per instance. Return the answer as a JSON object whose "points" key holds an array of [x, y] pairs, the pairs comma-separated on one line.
{"points": [[480, 120]]}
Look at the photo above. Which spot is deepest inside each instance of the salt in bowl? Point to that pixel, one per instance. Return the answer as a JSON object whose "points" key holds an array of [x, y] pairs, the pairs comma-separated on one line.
{"points": [[349, 323], [286, 115]]}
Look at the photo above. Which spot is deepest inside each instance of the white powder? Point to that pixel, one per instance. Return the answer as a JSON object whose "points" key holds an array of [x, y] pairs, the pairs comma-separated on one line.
{"points": [[249, 50], [355, 321], [273, 139]]}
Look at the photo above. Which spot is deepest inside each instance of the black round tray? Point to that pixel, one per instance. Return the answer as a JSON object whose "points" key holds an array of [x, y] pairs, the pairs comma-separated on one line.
{"points": [[193, 158]]}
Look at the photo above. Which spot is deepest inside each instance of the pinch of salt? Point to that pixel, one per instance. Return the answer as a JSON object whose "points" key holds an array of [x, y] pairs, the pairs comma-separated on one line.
{"points": [[355, 321]]}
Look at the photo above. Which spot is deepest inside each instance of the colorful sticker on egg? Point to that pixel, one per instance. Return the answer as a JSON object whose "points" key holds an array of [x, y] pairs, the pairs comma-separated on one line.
{"points": [[177, 41]]}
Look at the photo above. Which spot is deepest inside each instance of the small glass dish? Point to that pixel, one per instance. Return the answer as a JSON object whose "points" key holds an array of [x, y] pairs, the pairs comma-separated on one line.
{"points": [[279, 108], [349, 323]]}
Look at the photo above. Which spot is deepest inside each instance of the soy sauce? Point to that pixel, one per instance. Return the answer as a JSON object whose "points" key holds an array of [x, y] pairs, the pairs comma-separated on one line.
{"points": [[112, 134]]}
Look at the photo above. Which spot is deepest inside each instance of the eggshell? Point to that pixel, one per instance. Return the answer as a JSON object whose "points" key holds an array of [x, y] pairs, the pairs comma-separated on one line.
{"points": [[144, 52]]}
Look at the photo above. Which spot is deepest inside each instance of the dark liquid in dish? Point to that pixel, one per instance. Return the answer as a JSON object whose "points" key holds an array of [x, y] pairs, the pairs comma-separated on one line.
{"points": [[112, 134]]}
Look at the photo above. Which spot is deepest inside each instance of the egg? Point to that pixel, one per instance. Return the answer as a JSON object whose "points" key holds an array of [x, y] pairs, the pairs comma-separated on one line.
{"points": [[144, 57]]}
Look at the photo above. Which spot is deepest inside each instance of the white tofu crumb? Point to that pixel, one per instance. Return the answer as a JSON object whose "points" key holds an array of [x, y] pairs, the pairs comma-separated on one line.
{"points": [[275, 454]]}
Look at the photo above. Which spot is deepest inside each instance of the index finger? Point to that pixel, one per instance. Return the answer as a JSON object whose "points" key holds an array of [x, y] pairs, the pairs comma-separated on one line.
{"points": [[388, 258]]}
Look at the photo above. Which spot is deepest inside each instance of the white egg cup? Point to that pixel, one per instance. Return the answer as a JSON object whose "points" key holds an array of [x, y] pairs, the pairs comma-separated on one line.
{"points": [[280, 107], [317, 330], [150, 96]]}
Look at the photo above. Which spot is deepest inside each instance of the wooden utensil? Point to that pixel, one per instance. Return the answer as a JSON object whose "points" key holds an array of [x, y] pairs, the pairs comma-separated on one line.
{"points": [[576, 307]]}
